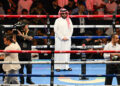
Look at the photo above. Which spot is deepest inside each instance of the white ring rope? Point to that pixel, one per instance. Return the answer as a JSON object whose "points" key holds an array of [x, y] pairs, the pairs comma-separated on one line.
{"points": [[75, 26], [73, 46], [71, 62]]}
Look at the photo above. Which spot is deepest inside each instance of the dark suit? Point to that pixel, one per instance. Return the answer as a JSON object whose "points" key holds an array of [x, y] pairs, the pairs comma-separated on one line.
{"points": [[25, 45]]}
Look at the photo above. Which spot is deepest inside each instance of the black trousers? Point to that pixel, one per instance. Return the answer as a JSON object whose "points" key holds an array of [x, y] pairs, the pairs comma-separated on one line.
{"points": [[25, 57], [1, 70], [112, 69]]}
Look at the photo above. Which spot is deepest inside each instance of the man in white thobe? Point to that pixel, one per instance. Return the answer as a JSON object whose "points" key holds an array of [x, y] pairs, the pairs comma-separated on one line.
{"points": [[63, 29]]}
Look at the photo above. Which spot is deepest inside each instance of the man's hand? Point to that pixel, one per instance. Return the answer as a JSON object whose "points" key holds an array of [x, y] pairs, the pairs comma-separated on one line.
{"points": [[114, 56], [65, 39], [19, 33]]}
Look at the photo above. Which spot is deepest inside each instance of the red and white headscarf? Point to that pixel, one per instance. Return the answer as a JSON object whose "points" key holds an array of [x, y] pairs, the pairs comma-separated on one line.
{"points": [[63, 10]]}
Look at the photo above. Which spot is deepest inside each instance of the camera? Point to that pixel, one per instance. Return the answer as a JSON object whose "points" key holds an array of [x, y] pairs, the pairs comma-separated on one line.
{"points": [[2, 29], [18, 26], [114, 58]]}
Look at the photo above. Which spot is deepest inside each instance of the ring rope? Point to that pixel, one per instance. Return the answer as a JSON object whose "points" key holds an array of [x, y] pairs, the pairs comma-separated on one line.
{"points": [[79, 47], [49, 51], [30, 85], [70, 75], [74, 26], [71, 62], [56, 16], [74, 37], [48, 85]]}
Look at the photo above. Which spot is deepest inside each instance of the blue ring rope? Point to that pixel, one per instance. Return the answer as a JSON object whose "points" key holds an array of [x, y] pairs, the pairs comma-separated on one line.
{"points": [[75, 37], [38, 75]]}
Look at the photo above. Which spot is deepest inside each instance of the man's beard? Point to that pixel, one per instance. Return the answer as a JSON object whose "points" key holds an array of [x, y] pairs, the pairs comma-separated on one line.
{"points": [[64, 17]]}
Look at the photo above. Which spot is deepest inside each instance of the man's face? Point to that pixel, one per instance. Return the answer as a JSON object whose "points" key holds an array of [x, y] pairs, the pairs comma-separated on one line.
{"points": [[116, 39], [81, 8], [25, 13], [5, 41], [55, 3], [25, 28], [117, 31], [64, 15]]}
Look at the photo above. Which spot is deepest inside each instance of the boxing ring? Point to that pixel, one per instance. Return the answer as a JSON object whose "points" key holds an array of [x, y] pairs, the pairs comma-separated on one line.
{"points": [[47, 76]]}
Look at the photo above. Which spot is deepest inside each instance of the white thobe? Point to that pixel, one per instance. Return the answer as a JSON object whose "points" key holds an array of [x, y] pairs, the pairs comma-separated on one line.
{"points": [[61, 30]]}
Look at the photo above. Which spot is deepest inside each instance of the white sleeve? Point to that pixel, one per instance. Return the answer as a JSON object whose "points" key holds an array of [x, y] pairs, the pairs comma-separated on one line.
{"points": [[18, 46], [7, 48], [106, 55], [71, 29], [56, 30]]}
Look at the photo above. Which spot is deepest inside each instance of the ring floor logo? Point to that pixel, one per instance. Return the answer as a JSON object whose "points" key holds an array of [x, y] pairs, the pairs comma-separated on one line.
{"points": [[70, 80]]}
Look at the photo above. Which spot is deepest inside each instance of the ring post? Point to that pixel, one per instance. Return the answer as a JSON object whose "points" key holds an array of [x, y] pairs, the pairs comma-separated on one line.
{"points": [[52, 54], [83, 67], [48, 31], [114, 22], [52, 70]]}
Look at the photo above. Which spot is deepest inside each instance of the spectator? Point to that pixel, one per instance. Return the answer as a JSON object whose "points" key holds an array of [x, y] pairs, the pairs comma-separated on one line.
{"points": [[6, 5], [80, 10], [10, 4], [90, 6], [2, 11], [54, 8], [38, 10], [24, 4], [41, 41], [13, 5], [111, 7], [109, 31], [88, 41], [99, 32], [10, 20], [99, 6], [71, 5], [24, 12], [62, 3]]}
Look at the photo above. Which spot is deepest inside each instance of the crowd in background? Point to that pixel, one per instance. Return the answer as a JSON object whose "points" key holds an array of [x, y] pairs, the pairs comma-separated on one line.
{"points": [[75, 7]]}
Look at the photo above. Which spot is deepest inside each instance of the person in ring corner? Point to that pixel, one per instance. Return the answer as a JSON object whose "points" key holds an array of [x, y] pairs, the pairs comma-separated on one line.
{"points": [[112, 68], [63, 29], [24, 38], [11, 44]]}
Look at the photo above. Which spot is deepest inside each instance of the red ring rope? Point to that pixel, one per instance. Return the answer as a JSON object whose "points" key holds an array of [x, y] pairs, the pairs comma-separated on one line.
{"points": [[55, 16], [49, 51]]}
